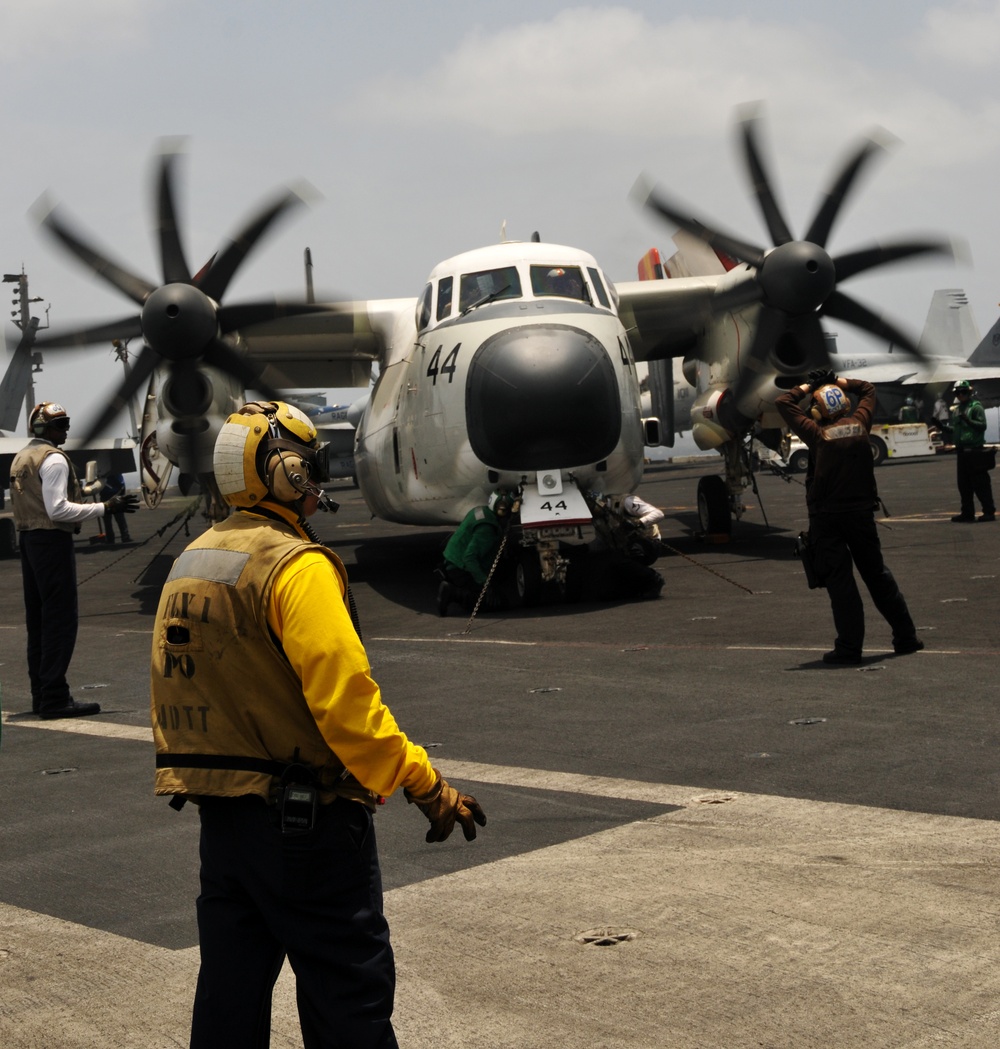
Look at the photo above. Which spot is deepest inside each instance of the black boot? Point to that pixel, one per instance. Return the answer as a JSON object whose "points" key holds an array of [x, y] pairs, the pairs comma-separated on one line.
{"points": [[444, 598]]}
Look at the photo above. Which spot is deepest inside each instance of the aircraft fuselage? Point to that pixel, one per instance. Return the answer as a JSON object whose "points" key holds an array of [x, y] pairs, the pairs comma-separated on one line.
{"points": [[515, 364]]}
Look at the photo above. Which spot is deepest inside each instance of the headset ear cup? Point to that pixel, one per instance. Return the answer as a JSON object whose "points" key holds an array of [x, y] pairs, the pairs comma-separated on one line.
{"points": [[287, 473]]}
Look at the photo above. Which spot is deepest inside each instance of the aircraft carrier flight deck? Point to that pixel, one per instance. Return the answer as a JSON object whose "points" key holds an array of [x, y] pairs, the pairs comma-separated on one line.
{"points": [[698, 835]]}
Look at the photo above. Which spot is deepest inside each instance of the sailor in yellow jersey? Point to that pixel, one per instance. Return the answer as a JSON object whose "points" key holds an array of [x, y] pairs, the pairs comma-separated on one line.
{"points": [[265, 713]]}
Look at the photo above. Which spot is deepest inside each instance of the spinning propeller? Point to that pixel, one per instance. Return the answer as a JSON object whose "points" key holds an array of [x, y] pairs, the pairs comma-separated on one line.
{"points": [[797, 282], [183, 325]]}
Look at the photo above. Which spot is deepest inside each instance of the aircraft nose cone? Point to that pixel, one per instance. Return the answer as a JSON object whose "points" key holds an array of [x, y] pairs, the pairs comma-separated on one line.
{"points": [[542, 397]]}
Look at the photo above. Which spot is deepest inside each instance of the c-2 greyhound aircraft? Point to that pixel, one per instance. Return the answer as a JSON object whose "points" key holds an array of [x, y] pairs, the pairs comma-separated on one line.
{"points": [[516, 365]]}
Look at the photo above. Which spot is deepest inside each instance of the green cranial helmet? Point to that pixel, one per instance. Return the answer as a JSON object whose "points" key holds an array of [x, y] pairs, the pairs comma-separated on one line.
{"points": [[962, 386], [502, 502]]}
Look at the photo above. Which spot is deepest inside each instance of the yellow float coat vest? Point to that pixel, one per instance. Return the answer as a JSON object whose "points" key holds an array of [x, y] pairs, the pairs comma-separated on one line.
{"points": [[220, 686]]}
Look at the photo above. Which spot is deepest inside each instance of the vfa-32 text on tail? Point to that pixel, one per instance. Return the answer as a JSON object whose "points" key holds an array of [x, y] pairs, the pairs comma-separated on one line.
{"points": [[516, 365]]}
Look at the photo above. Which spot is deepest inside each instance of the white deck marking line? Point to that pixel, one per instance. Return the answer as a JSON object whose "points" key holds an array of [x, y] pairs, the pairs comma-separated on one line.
{"points": [[538, 779], [452, 639], [87, 727]]}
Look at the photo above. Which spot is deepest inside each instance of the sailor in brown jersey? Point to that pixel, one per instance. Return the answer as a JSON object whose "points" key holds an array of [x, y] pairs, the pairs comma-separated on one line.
{"points": [[841, 498]]}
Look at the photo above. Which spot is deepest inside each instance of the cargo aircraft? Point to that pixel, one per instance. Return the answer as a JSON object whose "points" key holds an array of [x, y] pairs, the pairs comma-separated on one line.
{"points": [[515, 367]]}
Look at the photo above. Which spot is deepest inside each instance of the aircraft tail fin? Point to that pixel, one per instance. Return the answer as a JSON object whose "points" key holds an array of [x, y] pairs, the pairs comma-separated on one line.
{"points": [[987, 353], [693, 258], [950, 329], [651, 266]]}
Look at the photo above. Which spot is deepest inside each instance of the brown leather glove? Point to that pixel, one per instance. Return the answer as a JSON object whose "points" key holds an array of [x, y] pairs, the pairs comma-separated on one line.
{"points": [[443, 805]]}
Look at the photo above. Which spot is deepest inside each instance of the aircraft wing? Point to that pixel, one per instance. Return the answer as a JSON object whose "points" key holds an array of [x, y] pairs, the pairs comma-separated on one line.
{"points": [[943, 373], [333, 347], [668, 318], [110, 453], [336, 347], [985, 380]]}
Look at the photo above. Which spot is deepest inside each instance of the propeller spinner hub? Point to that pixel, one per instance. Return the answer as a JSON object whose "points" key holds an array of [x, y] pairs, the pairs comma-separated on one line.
{"points": [[797, 277], [179, 321]]}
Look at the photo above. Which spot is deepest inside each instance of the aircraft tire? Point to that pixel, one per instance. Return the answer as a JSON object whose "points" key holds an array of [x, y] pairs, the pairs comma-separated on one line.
{"points": [[713, 506], [879, 451], [528, 579], [8, 537]]}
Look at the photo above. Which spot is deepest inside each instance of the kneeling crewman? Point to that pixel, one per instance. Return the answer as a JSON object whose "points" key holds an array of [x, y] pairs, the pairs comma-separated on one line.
{"points": [[265, 714]]}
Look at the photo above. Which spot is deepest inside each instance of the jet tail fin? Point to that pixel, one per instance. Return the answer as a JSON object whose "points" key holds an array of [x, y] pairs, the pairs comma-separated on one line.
{"points": [[987, 353], [950, 329]]}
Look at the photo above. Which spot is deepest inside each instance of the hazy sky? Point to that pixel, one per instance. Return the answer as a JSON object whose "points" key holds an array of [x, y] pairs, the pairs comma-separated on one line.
{"points": [[424, 127]]}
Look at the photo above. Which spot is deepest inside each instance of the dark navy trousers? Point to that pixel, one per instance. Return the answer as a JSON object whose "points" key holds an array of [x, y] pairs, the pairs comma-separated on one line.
{"points": [[48, 572], [842, 542], [315, 897], [974, 481]]}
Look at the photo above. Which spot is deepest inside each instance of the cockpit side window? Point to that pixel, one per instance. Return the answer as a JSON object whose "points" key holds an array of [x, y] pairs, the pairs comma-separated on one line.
{"points": [[566, 282], [445, 285], [602, 294], [423, 317], [476, 289]]}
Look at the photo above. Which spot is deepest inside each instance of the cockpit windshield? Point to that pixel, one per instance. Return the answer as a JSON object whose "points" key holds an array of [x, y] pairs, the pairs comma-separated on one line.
{"points": [[476, 289], [565, 282]]}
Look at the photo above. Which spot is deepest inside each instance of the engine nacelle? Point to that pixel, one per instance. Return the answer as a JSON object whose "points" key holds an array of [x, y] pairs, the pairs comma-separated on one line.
{"points": [[713, 421]]}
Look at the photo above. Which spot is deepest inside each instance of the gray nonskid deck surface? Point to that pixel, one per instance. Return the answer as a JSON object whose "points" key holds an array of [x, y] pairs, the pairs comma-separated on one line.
{"points": [[777, 853]]}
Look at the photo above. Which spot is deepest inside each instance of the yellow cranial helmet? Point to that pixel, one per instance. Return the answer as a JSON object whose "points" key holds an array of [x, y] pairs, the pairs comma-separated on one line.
{"points": [[268, 449]]}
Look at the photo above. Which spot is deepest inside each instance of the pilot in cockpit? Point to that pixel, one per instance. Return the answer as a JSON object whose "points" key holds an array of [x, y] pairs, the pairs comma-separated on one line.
{"points": [[564, 283]]}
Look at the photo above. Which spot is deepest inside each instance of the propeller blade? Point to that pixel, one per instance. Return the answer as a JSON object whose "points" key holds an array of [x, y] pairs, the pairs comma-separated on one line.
{"points": [[657, 201], [126, 328], [174, 265], [244, 315], [761, 182], [137, 377], [854, 262], [832, 201], [224, 357], [845, 308], [229, 260], [55, 223]]}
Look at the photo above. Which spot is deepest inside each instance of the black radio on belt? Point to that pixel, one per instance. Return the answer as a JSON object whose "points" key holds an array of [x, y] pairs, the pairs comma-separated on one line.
{"points": [[297, 808]]}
